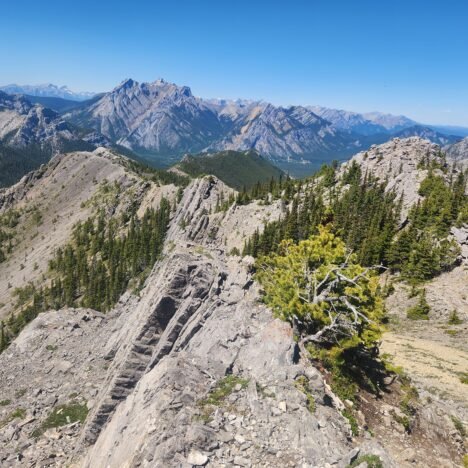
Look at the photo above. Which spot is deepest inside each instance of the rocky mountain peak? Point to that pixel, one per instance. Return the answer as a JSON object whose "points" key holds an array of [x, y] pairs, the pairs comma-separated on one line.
{"points": [[125, 85], [401, 163]]}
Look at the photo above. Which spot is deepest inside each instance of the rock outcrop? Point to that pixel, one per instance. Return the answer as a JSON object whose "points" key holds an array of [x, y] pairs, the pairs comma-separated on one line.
{"points": [[399, 163]]}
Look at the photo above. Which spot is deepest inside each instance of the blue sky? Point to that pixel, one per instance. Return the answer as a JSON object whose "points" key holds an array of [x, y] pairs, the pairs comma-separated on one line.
{"points": [[405, 57]]}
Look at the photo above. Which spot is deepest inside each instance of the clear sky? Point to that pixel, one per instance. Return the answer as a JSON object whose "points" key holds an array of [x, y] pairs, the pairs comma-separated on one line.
{"points": [[405, 57]]}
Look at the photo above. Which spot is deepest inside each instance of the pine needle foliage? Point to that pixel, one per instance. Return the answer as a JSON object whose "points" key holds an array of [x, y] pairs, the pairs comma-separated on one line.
{"points": [[321, 289]]}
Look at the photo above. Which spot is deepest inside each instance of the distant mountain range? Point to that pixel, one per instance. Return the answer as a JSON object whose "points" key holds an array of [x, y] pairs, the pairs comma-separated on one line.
{"points": [[161, 122], [372, 123], [47, 90]]}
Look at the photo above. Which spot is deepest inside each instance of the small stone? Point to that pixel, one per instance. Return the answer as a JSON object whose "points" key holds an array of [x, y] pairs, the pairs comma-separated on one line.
{"points": [[239, 439], [275, 411], [53, 434], [282, 406], [241, 461], [352, 456], [196, 458], [224, 436]]}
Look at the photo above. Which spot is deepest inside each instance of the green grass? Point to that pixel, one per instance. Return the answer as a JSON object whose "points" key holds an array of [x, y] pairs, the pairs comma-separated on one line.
{"points": [[418, 312], [458, 426], [63, 415], [302, 384], [352, 421], [216, 397], [5, 402], [454, 319], [223, 389], [373, 461], [18, 413]]}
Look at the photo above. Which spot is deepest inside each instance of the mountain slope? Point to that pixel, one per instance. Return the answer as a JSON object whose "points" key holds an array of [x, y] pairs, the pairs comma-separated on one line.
{"points": [[234, 168], [288, 134], [189, 367], [458, 151], [57, 104]]}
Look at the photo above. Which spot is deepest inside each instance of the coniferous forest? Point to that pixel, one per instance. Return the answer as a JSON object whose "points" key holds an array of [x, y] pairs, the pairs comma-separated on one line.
{"points": [[96, 267], [367, 218]]}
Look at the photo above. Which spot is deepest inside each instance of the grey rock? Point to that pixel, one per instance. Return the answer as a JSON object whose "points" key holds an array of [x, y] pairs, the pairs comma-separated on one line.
{"points": [[196, 458]]}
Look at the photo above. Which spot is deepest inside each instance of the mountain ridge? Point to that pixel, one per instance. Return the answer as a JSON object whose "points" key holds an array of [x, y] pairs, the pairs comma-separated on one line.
{"points": [[47, 90], [162, 121]]}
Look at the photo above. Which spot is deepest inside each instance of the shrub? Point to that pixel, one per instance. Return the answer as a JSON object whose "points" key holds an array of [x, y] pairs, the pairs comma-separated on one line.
{"points": [[421, 310], [216, 397], [454, 319], [373, 461], [302, 384]]}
